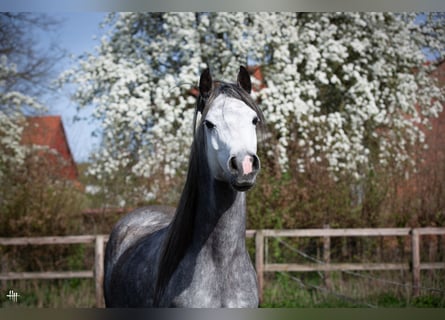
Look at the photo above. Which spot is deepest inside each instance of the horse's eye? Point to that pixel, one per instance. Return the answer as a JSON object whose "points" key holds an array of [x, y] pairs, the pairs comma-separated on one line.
{"points": [[255, 121], [209, 124]]}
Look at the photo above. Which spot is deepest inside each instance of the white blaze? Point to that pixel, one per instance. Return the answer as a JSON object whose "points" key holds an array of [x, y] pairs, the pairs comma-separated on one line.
{"points": [[234, 133]]}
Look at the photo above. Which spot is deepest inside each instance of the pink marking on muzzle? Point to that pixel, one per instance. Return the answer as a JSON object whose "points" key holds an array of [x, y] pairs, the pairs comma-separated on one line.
{"points": [[247, 165]]}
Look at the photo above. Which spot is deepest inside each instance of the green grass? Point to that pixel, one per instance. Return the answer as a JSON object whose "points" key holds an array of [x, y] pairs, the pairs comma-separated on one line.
{"points": [[287, 290], [282, 290], [67, 293]]}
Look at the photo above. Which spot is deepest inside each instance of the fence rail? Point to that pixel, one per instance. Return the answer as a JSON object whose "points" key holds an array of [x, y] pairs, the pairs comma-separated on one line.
{"points": [[97, 272]]}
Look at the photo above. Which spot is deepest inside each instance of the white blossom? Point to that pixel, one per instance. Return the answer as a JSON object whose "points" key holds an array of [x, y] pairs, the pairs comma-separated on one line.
{"points": [[334, 83], [12, 120]]}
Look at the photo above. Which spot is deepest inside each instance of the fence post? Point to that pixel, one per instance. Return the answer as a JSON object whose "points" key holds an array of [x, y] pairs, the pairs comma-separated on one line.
{"points": [[327, 257], [415, 248], [259, 261], [99, 270]]}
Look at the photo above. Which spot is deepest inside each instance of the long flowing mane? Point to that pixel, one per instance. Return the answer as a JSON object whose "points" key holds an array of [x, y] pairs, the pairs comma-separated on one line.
{"points": [[180, 232]]}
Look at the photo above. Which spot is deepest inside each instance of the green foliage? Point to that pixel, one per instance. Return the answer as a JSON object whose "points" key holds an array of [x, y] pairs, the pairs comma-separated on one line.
{"points": [[36, 201], [429, 301], [312, 199], [391, 300], [285, 294]]}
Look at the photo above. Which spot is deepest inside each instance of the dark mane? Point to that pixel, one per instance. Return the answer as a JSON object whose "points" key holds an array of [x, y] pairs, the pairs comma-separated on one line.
{"points": [[180, 231]]}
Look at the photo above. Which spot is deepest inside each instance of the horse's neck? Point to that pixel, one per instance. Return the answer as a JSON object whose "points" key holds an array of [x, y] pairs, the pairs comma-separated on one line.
{"points": [[220, 221]]}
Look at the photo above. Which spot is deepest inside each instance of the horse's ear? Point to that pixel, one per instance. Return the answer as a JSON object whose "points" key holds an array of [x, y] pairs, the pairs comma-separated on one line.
{"points": [[205, 86], [205, 83], [244, 79]]}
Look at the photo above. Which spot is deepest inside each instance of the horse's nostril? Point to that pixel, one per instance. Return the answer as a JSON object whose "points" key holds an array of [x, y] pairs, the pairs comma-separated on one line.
{"points": [[256, 162], [249, 164], [233, 164]]}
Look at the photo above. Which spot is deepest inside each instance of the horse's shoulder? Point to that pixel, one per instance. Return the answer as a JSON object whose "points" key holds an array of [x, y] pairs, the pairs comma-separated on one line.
{"points": [[137, 225], [144, 220]]}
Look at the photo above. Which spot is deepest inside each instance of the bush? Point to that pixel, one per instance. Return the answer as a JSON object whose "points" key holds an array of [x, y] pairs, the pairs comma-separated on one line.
{"points": [[36, 201]]}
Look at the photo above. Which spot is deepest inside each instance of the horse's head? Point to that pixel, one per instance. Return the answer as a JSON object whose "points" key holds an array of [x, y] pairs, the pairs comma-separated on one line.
{"points": [[230, 119]]}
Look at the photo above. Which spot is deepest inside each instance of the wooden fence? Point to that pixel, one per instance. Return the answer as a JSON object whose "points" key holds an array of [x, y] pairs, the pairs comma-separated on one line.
{"points": [[97, 273], [415, 265], [326, 234]]}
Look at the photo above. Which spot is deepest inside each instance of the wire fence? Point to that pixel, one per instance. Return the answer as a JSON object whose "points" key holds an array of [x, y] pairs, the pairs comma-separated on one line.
{"points": [[412, 250], [328, 290], [357, 274]]}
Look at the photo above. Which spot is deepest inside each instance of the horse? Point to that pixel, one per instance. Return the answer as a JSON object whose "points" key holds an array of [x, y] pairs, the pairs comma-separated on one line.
{"points": [[195, 255]]}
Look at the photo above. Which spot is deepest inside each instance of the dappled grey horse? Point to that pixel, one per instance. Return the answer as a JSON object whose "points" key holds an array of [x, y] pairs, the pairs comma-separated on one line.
{"points": [[195, 256]]}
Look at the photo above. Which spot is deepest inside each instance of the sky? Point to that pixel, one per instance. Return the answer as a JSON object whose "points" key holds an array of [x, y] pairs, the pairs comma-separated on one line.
{"points": [[76, 34]]}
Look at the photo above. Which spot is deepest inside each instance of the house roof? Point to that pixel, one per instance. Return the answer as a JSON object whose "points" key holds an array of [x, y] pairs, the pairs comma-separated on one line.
{"points": [[257, 74], [49, 131], [41, 130]]}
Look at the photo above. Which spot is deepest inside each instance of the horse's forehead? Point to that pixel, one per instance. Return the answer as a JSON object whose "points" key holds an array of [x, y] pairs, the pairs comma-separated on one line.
{"points": [[225, 107]]}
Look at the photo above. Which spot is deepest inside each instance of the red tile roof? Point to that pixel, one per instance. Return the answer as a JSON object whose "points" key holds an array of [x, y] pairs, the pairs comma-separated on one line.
{"points": [[49, 131]]}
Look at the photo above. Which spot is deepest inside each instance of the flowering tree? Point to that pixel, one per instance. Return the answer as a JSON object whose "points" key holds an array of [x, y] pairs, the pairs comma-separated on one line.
{"points": [[32, 200], [347, 89], [23, 69]]}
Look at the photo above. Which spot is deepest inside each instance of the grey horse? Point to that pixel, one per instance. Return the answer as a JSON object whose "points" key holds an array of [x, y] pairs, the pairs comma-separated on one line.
{"points": [[195, 256]]}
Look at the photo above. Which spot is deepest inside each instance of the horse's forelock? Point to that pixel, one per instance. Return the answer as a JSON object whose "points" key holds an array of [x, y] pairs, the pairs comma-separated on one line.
{"points": [[233, 91]]}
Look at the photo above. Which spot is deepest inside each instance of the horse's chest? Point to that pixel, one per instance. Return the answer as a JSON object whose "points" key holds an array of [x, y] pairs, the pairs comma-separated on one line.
{"points": [[213, 286]]}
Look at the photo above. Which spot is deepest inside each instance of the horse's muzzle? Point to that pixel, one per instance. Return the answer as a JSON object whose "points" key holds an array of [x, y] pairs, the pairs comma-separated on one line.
{"points": [[244, 169]]}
